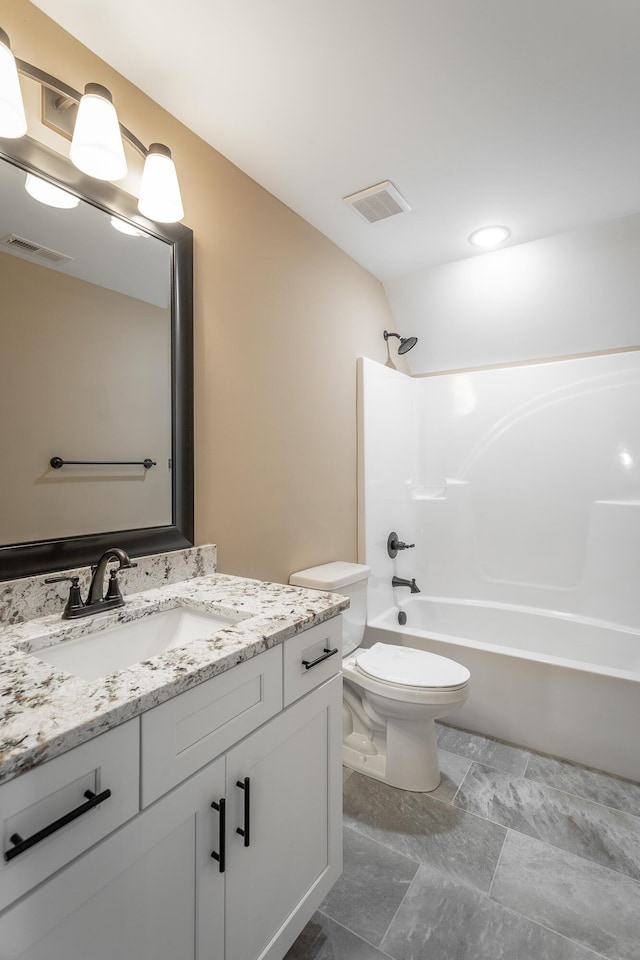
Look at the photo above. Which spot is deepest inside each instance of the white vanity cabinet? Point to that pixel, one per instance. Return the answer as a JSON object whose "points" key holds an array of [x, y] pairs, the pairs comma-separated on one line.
{"points": [[262, 795], [293, 769], [135, 895]]}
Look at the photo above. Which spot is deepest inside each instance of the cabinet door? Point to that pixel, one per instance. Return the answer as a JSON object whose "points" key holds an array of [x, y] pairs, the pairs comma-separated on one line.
{"points": [[132, 896], [294, 852]]}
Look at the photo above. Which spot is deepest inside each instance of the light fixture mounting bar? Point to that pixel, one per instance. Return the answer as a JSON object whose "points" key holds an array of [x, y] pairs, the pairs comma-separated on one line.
{"points": [[64, 90]]}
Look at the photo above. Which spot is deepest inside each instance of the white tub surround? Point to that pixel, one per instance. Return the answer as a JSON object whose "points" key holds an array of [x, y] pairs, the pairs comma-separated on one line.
{"points": [[518, 485], [45, 711], [520, 488]]}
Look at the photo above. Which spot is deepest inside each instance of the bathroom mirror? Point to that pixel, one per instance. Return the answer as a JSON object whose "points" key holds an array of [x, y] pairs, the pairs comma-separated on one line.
{"points": [[96, 371]]}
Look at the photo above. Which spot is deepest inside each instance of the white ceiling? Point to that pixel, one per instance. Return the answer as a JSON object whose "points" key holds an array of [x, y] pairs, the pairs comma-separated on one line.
{"points": [[519, 112]]}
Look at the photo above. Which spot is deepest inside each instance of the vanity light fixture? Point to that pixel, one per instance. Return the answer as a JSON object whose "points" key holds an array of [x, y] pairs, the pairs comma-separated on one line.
{"points": [[96, 146], [45, 192], [13, 122], [489, 236], [159, 190]]}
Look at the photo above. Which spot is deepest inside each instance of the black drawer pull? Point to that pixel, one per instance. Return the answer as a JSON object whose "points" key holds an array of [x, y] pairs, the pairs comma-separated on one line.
{"points": [[245, 831], [20, 845], [220, 857], [326, 653]]}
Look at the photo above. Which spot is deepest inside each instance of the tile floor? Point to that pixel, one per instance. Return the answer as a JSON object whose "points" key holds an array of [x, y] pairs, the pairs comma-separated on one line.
{"points": [[516, 856]]}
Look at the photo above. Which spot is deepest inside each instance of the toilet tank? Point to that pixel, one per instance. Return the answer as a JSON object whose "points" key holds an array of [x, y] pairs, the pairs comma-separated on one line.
{"points": [[349, 579]]}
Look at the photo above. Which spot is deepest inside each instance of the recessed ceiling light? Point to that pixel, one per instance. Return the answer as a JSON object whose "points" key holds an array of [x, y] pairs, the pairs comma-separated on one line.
{"points": [[489, 236]]}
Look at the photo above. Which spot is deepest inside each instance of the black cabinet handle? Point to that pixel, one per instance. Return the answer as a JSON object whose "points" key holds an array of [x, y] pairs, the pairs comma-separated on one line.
{"points": [[326, 653], [20, 845], [245, 831], [220, 857]]}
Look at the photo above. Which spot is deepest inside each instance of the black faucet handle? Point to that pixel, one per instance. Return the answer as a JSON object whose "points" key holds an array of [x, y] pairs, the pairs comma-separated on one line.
{"points": [[74, 601], [394, 544], [113, 588]]}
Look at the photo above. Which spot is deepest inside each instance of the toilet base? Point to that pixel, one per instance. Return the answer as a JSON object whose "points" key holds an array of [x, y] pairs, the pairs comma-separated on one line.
{"points": [[405, 756]]}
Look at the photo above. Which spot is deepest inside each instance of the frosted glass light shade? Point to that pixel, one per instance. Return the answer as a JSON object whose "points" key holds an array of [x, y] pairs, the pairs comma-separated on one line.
{"points": [[160, 198], [127, 228], [96, 148], [48, 193], [13, 122]]}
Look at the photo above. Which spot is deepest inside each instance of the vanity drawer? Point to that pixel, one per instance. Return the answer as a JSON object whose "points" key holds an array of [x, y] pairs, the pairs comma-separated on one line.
{"points": [[41, 798], [309, 660], [187, 732]]}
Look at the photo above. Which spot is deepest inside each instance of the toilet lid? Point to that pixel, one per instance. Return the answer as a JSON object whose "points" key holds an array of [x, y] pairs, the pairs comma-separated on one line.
{"points": [[411, 667]]}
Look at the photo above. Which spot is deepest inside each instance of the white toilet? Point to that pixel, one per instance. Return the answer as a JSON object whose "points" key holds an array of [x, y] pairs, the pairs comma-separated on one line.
{"points": [[392, 694]]}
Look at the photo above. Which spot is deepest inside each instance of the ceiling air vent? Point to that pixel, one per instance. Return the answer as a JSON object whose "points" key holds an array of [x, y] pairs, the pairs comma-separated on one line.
{"points": [[29, 248], [378, 202]]}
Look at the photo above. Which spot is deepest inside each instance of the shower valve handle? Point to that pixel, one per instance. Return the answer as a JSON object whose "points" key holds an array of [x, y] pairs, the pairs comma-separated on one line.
{"points": [[393, 545]]}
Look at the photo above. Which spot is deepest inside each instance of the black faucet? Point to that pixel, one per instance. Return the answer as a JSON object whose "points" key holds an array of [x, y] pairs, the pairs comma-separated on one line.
{"points": [[97, 581], [394, 544], [96, 602], [399, 582]]}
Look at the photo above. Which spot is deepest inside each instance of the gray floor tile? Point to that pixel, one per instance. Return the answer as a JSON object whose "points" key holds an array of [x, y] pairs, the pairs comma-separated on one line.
{"points": [[580, 899], [584, 782], [452, 770], [427, 830], [607, 836], [346, 773], [371, 888], [323, 939], [474, 746], [443, 920]]}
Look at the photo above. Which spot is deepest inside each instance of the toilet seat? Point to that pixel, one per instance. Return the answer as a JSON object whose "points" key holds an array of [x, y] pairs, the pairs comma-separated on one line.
{"points": [[392, 695], [410, 668]]}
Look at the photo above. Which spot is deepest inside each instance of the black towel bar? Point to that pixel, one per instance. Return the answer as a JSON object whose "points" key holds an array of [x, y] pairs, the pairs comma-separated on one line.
{"points": [[57, 462]]}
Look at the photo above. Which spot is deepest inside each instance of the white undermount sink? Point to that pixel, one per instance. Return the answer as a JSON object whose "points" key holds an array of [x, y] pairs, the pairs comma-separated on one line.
{"points": [[104, 652]]}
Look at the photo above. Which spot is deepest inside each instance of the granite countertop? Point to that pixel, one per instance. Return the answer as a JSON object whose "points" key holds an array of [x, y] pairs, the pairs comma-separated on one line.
{"points": [[45, 711]]}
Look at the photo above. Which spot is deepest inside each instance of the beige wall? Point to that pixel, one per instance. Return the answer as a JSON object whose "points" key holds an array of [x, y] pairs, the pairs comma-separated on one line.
{"points": [[280, 316], [85, 374]]}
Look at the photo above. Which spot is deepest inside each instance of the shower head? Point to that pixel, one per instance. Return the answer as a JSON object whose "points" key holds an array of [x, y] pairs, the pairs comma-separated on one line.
{"points": [[406, 343]]}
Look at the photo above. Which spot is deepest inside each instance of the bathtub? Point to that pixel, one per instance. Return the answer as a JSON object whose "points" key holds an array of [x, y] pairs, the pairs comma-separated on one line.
{"points": [[553, 682]]}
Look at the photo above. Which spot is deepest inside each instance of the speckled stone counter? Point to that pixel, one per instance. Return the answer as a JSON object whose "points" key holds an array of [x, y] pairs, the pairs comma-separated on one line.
{"points": [[44, 711], [32, 597]]}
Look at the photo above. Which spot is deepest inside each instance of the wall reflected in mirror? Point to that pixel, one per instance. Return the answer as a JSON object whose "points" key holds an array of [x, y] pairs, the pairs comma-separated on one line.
{"points": [[85, 370]]}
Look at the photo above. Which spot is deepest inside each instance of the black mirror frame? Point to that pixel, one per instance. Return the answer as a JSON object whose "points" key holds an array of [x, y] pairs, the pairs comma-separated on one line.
{"points": [[30, 559]]}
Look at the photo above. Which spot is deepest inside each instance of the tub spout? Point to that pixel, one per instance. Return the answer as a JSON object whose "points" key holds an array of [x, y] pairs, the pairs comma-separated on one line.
{"points": [[399, 582]]}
